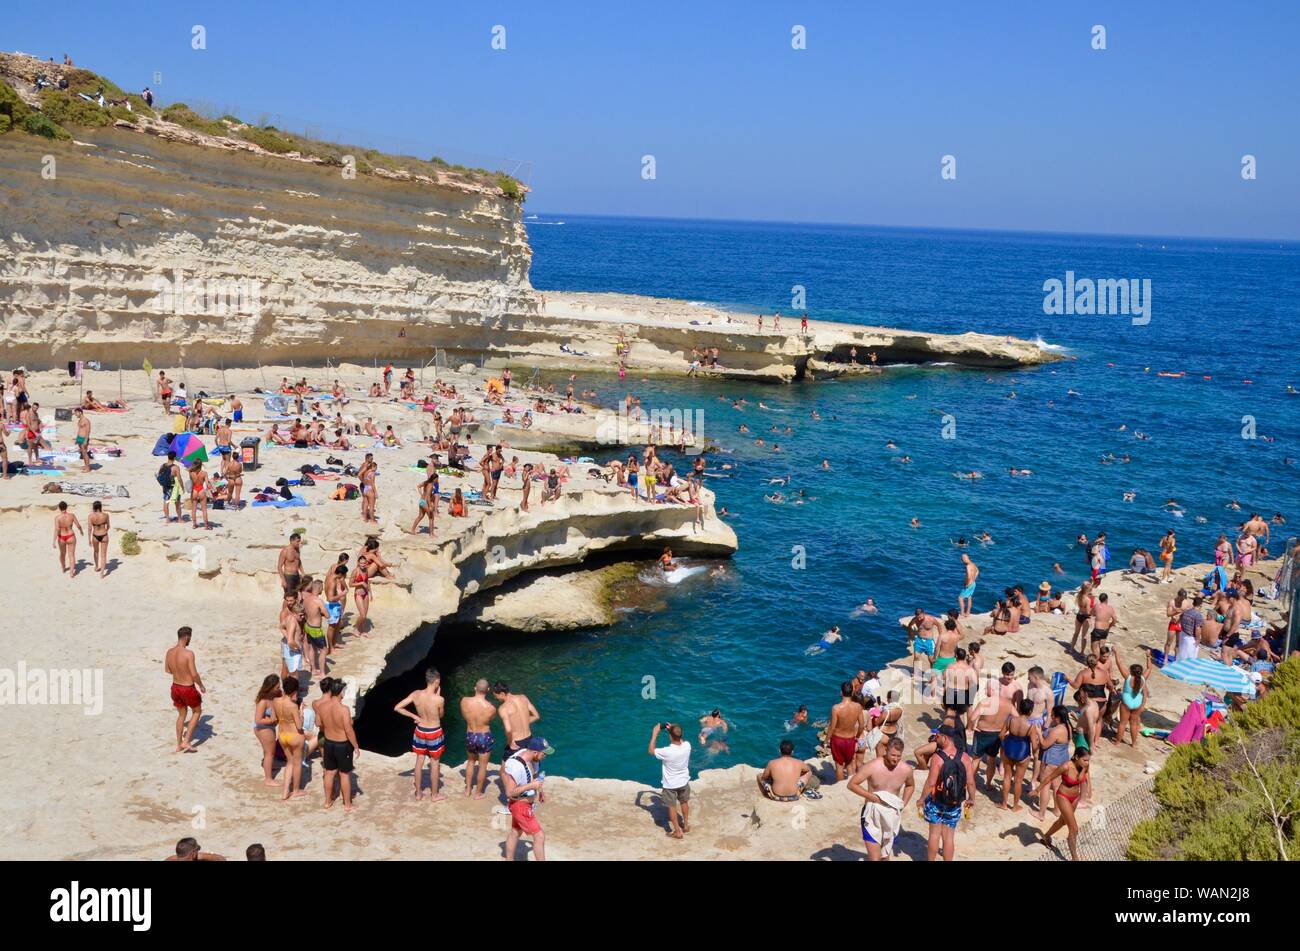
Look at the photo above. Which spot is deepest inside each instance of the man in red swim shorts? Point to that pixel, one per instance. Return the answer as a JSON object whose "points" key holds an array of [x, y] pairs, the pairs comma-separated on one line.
{"points": [[845, 727], [187, 689], [522, 777]]}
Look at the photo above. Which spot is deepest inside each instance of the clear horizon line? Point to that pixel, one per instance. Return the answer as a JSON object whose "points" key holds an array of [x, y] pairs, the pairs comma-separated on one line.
{"points": [[884, 227]]}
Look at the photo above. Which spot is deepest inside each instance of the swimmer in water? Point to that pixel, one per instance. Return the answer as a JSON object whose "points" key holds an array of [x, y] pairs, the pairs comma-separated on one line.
{"points": [[776, 498], [666, 563], [713, 731], [1130, 496], [867, 607], [984, 538], [828, 639], [959, 541], [826, 464], [916, 522], [1056, 567], [778, 480]]}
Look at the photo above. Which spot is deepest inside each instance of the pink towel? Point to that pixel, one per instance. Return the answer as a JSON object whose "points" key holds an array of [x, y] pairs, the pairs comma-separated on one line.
{"points": [[1191, 728]]}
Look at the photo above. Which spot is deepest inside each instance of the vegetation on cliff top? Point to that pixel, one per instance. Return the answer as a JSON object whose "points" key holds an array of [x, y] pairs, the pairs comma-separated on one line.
{"points": [[1237, 795], [60, 108]]}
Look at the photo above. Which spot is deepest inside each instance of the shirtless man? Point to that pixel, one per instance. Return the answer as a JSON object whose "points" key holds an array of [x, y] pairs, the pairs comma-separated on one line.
{"points": [[290, 635], [517, 717], [1179, 603], [945, 654], [340, 747], [427, 740], [889, 787], [923, 632], [315, 618], [187, 689], [968, 591], [477, 711], [83, 438], [66, 525], [844, 730], [232, 470], [785, 778], [1103, 619], [336, 595], [289, 565], [988, 716]]}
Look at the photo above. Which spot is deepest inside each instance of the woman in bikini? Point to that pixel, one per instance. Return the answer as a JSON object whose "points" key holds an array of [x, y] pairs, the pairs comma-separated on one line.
{"points": [[1168, 545], [1083, 604], [1132, 701], [1020, 740], [99, 529], [288, 719], [264, 725], [361, 594], [428, 492], [1001, 622], [199, 495], [457, 505], [1054, 751], [1072, 774]]}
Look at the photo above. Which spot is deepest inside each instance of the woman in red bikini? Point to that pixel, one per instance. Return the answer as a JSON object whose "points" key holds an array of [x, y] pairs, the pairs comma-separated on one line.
{"points": [[199, 495], [361, 594], [1073, 774]]}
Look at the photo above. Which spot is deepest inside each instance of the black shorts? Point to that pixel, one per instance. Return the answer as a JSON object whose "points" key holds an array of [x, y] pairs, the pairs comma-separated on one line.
{"points": [[337, 755], [987, 743], [1098, 634], [291, 583]]}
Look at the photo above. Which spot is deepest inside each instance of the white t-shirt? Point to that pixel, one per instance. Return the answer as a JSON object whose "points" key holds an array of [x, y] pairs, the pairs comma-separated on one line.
{"points": [[676, 758], [521, 773]]}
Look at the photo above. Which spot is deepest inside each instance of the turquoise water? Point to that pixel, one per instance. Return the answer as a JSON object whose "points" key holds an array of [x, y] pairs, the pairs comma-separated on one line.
{"points": [[1223, 309]]}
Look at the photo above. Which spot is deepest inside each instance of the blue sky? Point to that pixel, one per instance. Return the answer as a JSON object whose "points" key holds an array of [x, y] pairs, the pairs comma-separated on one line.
{"points": [[1145, 137]]}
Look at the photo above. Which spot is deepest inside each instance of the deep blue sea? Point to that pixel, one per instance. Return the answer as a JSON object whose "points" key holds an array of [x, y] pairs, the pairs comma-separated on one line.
{"points": [[1225, 310]]}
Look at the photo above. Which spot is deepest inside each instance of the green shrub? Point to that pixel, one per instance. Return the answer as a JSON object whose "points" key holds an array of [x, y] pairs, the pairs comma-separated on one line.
{"points": [[39, 124], [83, 80], [510, 187], [1218, 798], [5, 123], [66, 109], [268, 138], [130, 543], [182, 114], [12, 108]]}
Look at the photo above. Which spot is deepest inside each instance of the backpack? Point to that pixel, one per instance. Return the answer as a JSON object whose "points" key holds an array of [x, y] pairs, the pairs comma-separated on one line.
{"points": [[950, 790], [164, 476]]}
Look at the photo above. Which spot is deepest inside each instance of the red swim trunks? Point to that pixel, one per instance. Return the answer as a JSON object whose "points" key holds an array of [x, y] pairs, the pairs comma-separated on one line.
{"points": [[522, 817], [843, 749], [183, 697]]}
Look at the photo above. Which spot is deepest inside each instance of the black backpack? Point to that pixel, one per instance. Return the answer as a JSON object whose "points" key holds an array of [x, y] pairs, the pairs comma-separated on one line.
{"points": [[164, 476], [950, 790]]}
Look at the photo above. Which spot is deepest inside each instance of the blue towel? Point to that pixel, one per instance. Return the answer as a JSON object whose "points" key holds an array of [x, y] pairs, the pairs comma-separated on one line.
{"points": [[294, 502], [1059, 684]]}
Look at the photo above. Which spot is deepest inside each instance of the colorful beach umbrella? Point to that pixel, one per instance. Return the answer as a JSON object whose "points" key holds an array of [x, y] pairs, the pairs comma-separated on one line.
{"points": [[1212, 673], [189, 448]]}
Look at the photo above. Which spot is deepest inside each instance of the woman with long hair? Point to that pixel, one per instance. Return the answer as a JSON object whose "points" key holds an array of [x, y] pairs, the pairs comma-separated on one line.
{"points": [[264, 725], [1070, 776]]}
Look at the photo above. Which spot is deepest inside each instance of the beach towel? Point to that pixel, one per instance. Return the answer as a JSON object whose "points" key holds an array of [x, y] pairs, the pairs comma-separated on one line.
{"points": [[1059, 685], [1191, 728], [275, 404], [882, 821], [92, 490], [279, 503]]}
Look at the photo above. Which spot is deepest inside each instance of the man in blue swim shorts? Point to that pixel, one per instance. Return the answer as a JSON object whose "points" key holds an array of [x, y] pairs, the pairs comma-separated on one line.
{"points": [[477, 711], [966, 593], [949, 786]]}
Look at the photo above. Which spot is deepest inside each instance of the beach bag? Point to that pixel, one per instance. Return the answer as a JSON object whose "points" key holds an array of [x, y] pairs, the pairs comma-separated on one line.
{"points": [[950, 790]]}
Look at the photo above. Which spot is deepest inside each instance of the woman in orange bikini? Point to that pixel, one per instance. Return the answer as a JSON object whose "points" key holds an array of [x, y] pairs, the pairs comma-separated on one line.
{"points": [[288, 718], [1168, 545], [1073, 773]]}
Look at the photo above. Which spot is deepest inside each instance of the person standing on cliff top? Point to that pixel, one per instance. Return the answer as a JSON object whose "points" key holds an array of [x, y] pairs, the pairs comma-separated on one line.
{"points": [[675, 787], [517, 716], [477, 711], [427, 740], [967, 592], [521, 781]]}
